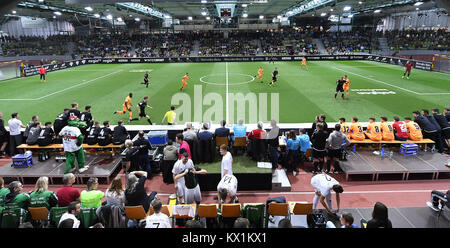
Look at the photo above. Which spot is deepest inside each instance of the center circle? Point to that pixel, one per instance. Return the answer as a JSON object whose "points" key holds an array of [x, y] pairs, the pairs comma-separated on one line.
{"points": [[220, 78]]}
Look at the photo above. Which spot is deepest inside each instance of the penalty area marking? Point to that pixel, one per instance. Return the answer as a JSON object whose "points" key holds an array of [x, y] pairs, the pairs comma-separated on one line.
{"points": [[59, 91], [226, 75], [395, 86]]}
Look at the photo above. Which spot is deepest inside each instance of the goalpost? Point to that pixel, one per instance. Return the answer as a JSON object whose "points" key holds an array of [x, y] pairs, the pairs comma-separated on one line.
{"points": [[441, 63], [10, 69]]}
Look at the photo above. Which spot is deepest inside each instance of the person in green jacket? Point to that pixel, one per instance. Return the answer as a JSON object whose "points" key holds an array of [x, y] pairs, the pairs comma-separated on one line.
{"points": [[16, 199], [3, 191], [91, 197], [41, 196]]}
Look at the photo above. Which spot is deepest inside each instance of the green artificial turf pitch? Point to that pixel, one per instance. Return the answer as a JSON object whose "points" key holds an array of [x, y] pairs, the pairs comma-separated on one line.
{"points": [[302, 93]]}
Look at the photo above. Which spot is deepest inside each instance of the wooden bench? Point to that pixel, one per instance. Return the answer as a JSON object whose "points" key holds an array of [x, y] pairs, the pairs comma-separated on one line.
{"points": [[60, 147], [424, 142]]}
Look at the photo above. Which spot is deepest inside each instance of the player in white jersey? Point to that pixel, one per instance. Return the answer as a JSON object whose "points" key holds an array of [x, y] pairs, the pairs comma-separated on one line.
{"points": [[227, 187], [178, 168], [158, 219], [72, 140], [192, 191], [227, 161], [323, 184]]}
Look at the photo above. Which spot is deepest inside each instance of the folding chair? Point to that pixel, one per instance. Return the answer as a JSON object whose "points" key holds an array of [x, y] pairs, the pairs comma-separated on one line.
{"points": [[207, 211], [88, 217], [300, 211], [239, 143], [277, 209], [165, 210], [13, 217], [230, 212], [38, 214], [255, 213], [135, 212], [182, 213], [221, 141], [55, 215]]}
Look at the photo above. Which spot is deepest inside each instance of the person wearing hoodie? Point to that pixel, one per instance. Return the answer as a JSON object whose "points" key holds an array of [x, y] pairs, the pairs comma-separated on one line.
{"points": [[33, 134], [335, 143], [16, 199], [72, 141], [170, 157]]}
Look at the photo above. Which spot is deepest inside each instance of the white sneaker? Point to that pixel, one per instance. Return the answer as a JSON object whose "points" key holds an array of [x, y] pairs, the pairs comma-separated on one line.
{"points": [[429, 204], [83, 169]]}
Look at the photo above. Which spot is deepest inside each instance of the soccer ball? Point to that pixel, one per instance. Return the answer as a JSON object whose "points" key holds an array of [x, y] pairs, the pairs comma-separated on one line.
{"points": [[28, 153]]}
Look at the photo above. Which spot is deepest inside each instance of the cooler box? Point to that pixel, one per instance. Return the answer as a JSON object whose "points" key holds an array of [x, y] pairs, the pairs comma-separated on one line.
{"points": [[158, 138], [409, 149], [22, 160]]}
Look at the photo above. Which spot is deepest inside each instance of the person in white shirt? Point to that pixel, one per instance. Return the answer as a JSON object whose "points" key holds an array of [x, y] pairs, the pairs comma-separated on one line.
{"points": [[179, 168], [192, 191], [158, 219], [227, 187], [323, 184], [227, 161], [72, 211], [115, 195], [15, 137]]}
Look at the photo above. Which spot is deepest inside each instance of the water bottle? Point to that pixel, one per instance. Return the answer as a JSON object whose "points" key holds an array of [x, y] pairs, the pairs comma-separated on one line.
{"points": [[433, 149], [382, 152], [354, 148], [391, 153]]}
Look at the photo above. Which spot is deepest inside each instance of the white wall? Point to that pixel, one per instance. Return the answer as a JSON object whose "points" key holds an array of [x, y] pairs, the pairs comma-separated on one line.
{"points": [[414, 20], [44, 28]]}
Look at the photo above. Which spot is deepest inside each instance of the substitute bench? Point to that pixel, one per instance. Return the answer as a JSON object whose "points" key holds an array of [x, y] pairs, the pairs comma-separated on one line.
{"points": [[60, 147], [424, 142]]}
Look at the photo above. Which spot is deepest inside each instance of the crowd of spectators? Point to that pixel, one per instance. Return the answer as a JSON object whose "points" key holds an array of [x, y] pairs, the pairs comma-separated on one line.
{"points": [[34, 45], [164, 44], [355, 41], [236, 44], [417, 39]]}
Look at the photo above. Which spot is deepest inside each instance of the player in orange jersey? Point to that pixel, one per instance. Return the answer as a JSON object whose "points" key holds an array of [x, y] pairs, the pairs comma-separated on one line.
{"points": [[346, 84], [356, 130], [414, 131], [183, 81], [373, 131], [303, 63], [345, 127], [387, 129], [260, 72], [127, 107]]}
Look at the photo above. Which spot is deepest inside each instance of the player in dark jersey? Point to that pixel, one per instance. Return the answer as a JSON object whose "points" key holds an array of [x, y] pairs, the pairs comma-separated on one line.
{"points": [[340, 88], [274, 76], [74, 111], [61, 120], [86, 117], [141, 107], [408, 66], [145, 79]]}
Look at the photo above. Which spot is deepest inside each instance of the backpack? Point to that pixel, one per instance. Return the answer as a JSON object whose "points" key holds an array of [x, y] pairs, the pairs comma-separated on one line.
{"points": [[190, 180], [279, 199], [316, 220]]}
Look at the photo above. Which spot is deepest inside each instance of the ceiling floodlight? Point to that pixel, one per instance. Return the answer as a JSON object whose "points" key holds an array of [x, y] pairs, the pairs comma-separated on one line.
{"points": [[418, 3], [89, 8], [347, 8]]}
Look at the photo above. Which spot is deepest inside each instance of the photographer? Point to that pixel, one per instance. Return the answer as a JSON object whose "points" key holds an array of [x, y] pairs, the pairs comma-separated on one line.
{"points": [[143, 159], [131, 158]]}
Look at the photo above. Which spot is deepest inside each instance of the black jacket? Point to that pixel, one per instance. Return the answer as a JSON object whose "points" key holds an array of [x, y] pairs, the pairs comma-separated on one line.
{"points": [[425, 124], [143, 144], [319, 139], [442, 121]]}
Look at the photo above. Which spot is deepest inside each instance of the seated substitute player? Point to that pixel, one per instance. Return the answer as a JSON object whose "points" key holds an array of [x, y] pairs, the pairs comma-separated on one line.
{"points": [[414, 131], [183, 81], [400, 130], [260, 72], [227, 187], [387, 130], [356, 130], [126, 106], [274, 76], [408, 66], [373, 131], [141, 108], [345, 127], [145, 79], [340, 88], [346, 84]]}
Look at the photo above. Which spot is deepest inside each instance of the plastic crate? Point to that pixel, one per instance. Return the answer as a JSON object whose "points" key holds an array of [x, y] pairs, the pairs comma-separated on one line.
{"points": [[22, 160], [409, 149], [158, 138]]}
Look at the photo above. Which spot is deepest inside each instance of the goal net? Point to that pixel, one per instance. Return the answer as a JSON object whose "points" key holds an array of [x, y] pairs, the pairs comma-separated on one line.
{"points": [[10, 69], [441, 63]]}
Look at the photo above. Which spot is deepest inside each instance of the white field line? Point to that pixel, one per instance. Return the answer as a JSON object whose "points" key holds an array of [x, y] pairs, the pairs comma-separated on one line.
{"points": [[59, 91], [395, 86], [312, 192], [226, 94]]}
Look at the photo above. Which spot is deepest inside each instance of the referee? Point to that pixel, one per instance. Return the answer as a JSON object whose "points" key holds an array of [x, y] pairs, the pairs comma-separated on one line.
{"points": [[170, 115]]}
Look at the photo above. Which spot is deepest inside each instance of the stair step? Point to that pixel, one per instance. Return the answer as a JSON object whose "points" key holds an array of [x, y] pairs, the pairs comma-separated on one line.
{"points": [[280, 181]]}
